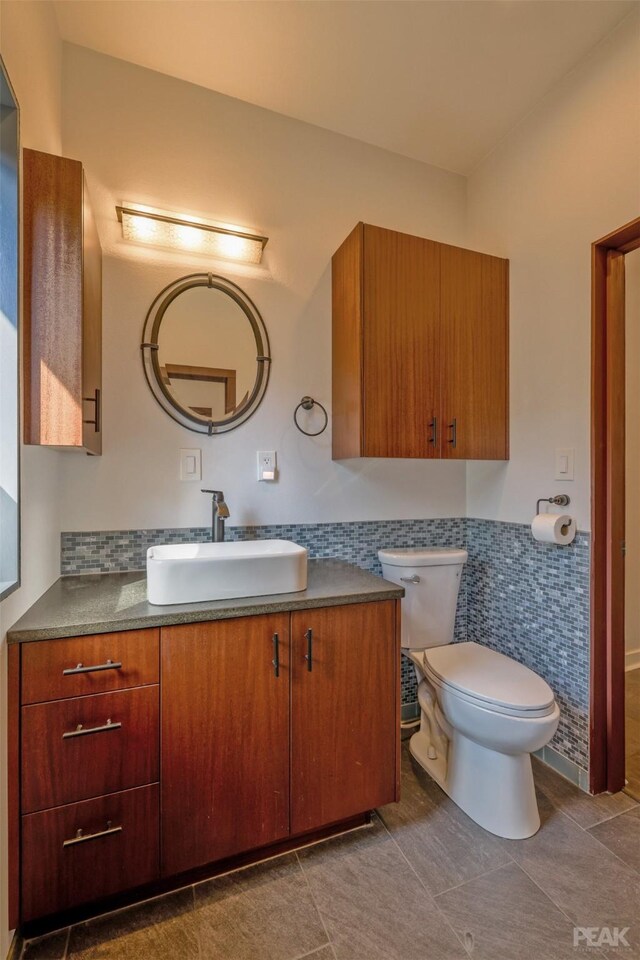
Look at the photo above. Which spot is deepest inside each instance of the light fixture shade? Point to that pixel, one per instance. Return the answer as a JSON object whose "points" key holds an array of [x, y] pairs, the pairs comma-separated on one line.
{"points": [[164, 229]]}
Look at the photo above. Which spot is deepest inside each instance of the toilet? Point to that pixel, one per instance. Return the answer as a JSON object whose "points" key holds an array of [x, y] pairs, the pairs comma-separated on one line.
{"points": [[482, 714]]}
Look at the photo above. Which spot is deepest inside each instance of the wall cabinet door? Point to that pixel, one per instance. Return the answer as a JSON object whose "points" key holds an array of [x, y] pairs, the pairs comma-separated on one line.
{"points": [[62, 306], [401, 380], [474, 355], [345, 664], [225, 739], [420, 349]]}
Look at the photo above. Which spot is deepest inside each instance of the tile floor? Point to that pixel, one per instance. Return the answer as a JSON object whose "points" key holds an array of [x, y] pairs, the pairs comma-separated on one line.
{"points": [[632, 733], [421, 883]]}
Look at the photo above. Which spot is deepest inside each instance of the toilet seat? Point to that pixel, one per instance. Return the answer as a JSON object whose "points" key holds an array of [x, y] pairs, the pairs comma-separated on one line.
{"points": [[489, 680]]}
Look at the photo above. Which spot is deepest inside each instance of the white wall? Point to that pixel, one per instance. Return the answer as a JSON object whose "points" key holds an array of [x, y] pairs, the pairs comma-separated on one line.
{"points": [[632, 534], [32, 53], [149, 138], [568, 174]]}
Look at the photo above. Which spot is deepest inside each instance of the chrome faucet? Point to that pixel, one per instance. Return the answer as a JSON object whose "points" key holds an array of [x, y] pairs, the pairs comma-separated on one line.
{"points": [[219, 513]]}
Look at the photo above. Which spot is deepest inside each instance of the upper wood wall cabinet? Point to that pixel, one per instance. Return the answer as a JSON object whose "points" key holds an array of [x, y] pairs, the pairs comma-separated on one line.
{"points": [[420, 349], [62, 306]]}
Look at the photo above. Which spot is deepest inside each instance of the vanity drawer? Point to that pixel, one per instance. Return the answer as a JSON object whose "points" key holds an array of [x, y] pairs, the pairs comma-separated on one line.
{"points": [[117, 849], [88, 746], [75, 667]]}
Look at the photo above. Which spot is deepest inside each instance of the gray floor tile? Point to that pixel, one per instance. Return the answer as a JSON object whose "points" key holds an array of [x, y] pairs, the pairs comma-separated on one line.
{"points": [[442, 844], [505, 916], [160, 929], [264, 911], [51, 947], [584, 809], [324, 953], [587, 882], [373, 906], [622, 836]]}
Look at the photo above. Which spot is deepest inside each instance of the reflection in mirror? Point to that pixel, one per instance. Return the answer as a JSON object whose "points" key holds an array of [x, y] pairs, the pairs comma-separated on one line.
{"points": [[206, 353]]}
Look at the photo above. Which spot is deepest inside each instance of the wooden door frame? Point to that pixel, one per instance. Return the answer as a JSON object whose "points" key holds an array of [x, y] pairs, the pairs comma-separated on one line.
{"points": [[607, 753]]}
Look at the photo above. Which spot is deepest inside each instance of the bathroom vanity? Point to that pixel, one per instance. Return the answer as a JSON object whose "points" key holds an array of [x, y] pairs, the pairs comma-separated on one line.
{"points": [[152, 742]]}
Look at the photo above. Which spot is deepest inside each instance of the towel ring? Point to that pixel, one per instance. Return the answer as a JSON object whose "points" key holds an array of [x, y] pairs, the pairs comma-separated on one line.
{"points": [[308, 403]]}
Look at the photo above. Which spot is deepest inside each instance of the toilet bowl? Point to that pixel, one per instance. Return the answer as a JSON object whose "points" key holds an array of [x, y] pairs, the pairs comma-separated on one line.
{"points": [[482, 713]]}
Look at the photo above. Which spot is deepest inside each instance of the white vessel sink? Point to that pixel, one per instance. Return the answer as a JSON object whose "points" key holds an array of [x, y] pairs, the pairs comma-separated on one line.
{"points": [[197, 572]]}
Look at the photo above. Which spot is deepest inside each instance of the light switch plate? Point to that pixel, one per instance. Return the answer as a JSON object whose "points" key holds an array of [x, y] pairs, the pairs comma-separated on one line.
{"points": [[190, 465], [267, 465], [565, 459]]}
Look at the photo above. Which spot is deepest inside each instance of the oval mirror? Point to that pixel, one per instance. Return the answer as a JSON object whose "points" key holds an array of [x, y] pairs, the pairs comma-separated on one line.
{"points": [[205, 351]]}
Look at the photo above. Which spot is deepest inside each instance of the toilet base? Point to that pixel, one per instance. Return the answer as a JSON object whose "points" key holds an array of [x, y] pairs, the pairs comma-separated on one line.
{"points": [[495, 790]]}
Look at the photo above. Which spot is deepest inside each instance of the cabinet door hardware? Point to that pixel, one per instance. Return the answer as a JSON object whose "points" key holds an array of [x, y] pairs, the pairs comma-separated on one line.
{"points": [[434, 431], [97, 413], [453, 426], [309, 654], [276, 655], [109, 665], [82, 837], [81, 731]]}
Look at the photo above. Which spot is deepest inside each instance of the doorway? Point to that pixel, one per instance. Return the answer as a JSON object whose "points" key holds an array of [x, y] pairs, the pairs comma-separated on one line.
{"points": [[608, 481], [632, 525]]}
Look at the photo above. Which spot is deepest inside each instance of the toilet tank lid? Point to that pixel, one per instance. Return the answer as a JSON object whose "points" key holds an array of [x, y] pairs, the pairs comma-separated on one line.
{"points": [[422, 556]]}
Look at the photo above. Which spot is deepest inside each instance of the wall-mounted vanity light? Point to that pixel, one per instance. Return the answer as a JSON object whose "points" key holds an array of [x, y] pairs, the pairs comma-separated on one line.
{"points": [[163, 229]]}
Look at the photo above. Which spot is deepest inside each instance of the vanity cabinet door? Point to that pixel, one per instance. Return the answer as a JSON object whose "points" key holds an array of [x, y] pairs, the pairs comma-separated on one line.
{"points": [[225, 739], [345, 721]]}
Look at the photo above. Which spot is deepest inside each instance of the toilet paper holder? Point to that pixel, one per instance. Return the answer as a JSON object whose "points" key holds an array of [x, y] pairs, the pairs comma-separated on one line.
{"points": [[561, 500]]}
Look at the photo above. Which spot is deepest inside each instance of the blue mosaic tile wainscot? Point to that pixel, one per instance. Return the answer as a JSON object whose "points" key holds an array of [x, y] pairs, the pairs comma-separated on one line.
{"points": [[523, 598]]}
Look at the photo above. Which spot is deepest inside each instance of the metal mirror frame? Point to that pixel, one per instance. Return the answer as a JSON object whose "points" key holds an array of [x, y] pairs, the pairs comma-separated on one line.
{"points": [[151, 365]]}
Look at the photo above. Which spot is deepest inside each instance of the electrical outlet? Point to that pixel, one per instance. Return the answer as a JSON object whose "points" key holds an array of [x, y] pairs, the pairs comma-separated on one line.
{"points": [[267, 465]]}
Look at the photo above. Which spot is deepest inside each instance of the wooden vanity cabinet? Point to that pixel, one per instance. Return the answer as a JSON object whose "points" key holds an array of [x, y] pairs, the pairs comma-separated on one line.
{"points": [[420, 349], [146, 754], [62, 306]]}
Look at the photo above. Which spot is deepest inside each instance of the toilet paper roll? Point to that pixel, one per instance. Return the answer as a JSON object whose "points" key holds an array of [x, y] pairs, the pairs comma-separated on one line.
{"points": [[553, 528]]}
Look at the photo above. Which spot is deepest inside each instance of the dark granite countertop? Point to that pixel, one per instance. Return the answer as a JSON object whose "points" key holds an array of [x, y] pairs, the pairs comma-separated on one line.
{"points": [[108, 602]]}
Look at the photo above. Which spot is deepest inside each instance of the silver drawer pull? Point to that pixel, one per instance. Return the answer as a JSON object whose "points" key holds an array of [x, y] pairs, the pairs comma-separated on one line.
{"points": [[81, 731], [414, 579], [109, 665], [81, 837]]}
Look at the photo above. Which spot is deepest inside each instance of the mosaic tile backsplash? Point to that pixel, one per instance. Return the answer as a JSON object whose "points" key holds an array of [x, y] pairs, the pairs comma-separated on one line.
{"points": [[523, 598]]}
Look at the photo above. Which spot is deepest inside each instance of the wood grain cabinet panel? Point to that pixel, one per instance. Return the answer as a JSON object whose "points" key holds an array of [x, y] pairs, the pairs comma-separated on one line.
{"points": [[78, 666], [474, 355], [88, 746], [344, 712], [62, 306], [116, 849], [420, 349], [225, 739]]}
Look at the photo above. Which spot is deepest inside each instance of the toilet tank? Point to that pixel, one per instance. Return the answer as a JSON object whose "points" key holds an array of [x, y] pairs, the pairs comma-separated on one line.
{"points": [[431, 578]]}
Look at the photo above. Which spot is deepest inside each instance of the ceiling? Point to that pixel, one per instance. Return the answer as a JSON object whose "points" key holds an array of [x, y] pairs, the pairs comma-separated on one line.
{"points": [[438, 80]]}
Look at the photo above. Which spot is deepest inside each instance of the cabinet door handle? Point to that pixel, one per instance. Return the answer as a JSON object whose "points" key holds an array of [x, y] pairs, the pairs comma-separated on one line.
{"points": [[453, 426], [81, 731], [434, 431], [276, 655], [309, 654], [81, 837], [109, 665], [97, 415]]}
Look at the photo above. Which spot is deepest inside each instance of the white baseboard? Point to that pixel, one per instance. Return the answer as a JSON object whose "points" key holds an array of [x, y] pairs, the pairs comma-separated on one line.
{"points": [[632, 660]]}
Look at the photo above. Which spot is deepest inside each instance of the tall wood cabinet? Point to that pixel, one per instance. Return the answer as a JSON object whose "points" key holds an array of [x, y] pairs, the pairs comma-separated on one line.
{"points": [[62, 306], [420, 349]]}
